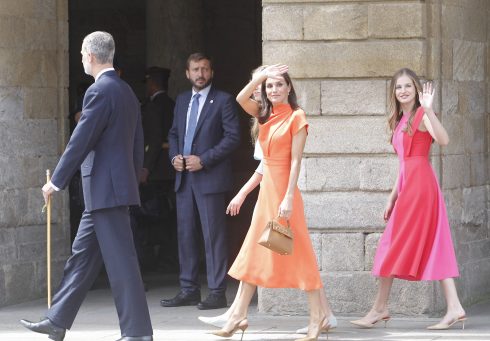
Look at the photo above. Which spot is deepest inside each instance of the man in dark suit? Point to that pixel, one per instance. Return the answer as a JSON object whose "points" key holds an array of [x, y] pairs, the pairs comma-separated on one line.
{"points": [[154, 223], [158, 113], [108, 144], [204, 133]]}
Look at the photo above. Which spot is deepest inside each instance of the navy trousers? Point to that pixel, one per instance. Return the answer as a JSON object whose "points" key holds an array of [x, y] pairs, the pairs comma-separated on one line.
{"points": [[104, 237], [208, 209]]}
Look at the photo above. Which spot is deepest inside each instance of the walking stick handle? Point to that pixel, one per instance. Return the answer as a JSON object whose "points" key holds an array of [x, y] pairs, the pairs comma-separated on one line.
{"points": [[48, 241]]}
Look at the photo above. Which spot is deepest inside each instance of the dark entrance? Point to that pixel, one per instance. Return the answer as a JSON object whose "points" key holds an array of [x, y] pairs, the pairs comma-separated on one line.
{"points": [[164, 33]]}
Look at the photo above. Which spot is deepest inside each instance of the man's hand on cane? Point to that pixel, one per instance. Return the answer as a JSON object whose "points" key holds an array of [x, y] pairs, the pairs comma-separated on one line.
{"points": [[47, 191]]}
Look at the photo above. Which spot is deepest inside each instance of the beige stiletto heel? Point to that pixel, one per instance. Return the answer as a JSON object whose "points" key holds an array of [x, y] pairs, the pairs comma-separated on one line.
{"points": [[368, 325], [242, 325], [444, 326]]}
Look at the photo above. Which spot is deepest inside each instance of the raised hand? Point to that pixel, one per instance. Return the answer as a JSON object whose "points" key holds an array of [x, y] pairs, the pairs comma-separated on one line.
{"points": [[426, 97], [272, 71]]}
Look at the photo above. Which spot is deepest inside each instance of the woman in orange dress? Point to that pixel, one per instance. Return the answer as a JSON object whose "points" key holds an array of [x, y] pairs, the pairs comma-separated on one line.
{"points": [[252, 106], [282, 136], [416, 244]]}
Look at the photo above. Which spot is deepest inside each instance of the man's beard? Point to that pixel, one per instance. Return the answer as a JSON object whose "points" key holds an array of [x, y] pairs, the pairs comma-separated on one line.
{"points": [[195, 86]]}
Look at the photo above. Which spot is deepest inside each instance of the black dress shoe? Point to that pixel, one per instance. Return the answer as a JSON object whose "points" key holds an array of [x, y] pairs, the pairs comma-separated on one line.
{"points": [[45, 326], [182, 299], [213, 301], [136, 338]]}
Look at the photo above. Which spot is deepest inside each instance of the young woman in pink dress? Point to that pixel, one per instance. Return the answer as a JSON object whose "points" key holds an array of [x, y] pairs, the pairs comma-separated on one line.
{"points": [[416, 244]]}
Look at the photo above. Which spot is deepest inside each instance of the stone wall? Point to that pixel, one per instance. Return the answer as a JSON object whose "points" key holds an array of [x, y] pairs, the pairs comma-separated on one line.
{"points": [[33, 101], [460, 62], [342, 55]]}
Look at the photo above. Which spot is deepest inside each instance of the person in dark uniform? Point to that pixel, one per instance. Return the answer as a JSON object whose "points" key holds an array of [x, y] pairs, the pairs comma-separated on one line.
{"points": [[154, 222]]}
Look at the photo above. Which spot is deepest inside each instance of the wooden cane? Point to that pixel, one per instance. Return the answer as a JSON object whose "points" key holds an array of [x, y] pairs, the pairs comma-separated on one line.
{"points": [[48, 239]]}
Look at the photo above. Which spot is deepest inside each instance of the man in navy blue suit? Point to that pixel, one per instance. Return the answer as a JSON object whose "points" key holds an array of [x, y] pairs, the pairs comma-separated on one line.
{"points": [[108, 144], [204, 133]]}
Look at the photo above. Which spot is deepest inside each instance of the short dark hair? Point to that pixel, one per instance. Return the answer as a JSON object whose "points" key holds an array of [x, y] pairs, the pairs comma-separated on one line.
{"points": [[198, 56]]}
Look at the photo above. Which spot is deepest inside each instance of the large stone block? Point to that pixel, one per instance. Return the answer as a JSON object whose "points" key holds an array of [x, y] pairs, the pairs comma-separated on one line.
{"points": [[282, 23], [23, 207], [468, 61], [12, 32], [384, 20], [25, 68], [19, 282], [38, 69], [11, 103], [347, 59], [370, 245], [342, 97], [464, 23], [474, 206], [40, 103], [42, 141], [479, 284], [475, 251], [19, 8], [472, 98], [349, 210], [454, 125], [8, 253], [474, 135], [24, 172], [335, 22], [41, 34], [343, 252], [479, 170], [348, 135], [455, 171], [332, 173], [450, 98], [280, 301], [316, 241], [454, 206], [446, 62], [378, 174], [308, 92]]}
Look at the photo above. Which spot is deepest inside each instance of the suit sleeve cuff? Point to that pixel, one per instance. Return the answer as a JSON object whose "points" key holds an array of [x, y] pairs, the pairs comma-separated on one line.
{"points": [[57, 189]]}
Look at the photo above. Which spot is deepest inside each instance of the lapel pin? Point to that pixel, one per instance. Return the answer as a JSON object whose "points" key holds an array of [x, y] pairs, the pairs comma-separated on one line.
{"points": [[211, 101]]}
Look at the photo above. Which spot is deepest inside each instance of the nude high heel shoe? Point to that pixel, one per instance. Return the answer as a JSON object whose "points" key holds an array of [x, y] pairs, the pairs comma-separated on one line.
{"points": [[320, 329], [444, 326], [364, 324], [242, 325]]}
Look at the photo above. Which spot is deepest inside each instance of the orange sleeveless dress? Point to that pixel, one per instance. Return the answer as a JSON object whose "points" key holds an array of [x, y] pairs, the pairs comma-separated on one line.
{"points": [[256, 264]]}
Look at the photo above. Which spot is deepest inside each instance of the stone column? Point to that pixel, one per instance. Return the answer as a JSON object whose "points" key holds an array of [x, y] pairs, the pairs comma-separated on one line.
{"points": [[33, 102], [461, 43], [174, 29]]}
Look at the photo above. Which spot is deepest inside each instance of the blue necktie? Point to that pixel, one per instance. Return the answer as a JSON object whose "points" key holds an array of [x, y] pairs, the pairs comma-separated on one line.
{"points": [[191, 126]]}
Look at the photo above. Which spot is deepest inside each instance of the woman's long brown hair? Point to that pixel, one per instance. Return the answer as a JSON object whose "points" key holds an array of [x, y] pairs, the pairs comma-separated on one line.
{"points": [[395, 112], [267, 105]]}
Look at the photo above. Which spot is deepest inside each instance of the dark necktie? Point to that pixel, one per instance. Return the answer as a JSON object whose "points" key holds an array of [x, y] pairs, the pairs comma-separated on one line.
{"points": [[191, 126]]}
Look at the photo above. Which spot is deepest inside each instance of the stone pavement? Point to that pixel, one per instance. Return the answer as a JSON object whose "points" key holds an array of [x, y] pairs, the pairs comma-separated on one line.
{"points": [[97, 320]]}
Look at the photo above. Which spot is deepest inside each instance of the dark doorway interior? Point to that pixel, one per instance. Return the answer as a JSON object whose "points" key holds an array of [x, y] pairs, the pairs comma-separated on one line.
{"points": [[164, 33]]}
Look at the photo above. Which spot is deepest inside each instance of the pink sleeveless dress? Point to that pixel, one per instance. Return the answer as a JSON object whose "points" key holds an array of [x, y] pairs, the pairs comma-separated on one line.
{"points": [[416, 244]]}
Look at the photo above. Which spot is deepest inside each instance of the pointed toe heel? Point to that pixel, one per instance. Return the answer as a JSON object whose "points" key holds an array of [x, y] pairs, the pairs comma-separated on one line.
{"points": [[241, 325], [444, 326]]}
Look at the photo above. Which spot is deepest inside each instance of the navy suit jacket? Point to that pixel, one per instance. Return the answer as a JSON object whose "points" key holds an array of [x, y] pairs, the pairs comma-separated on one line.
{"points": [[217, 135], [108, 144]]}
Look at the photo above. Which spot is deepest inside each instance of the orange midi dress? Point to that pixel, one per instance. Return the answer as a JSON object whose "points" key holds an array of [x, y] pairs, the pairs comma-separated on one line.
{"points": [[256, 264]]}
